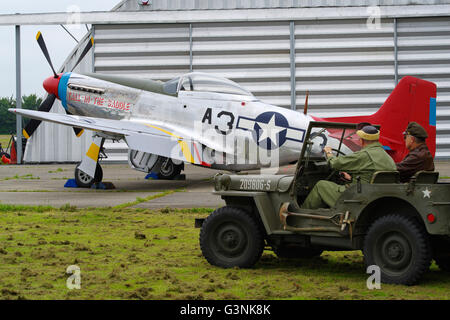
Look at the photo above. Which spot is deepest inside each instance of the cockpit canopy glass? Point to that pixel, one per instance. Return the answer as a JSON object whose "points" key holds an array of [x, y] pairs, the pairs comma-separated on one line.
{"points": [[203, 82]]}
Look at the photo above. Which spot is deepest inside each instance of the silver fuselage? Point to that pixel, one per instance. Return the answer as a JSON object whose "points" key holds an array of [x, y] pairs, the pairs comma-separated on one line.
{"points": [[241, 121]]}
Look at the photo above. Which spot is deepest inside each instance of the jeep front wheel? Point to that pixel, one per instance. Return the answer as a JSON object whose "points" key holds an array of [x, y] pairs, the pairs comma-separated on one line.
{"points": [[400, 247], [230, 237]]}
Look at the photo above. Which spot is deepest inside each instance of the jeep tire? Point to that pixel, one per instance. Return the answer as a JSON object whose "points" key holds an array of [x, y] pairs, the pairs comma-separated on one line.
{"points": [[230, 237], [399, 245]]}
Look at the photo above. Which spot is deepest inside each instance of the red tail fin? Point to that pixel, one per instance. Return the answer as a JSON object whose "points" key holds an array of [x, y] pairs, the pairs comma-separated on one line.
{"points": [[413, 99]]}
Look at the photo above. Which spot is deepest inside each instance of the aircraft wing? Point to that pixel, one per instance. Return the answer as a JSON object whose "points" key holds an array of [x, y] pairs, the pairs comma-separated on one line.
{"points": [[142, 135]]}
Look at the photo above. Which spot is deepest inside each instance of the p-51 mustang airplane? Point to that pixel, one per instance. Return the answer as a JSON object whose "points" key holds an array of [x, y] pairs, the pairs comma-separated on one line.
{"points": [[205, 120]]}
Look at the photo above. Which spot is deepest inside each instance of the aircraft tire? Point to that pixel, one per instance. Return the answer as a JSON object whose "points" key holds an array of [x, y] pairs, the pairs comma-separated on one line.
{"points": [[399, 245], [169, 171], [85, 181], [230, 237]]}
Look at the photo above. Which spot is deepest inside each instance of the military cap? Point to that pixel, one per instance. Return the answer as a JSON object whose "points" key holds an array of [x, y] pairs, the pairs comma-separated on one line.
{"points": [[416, 130], [369, 133], [361, 125]]}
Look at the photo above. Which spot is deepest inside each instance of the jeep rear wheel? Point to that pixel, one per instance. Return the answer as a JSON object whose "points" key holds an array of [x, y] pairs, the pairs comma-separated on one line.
{"points": [[400, 247], [230, 237]]}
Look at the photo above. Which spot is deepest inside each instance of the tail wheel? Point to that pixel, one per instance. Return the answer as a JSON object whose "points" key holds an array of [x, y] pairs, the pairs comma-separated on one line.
{"points": [[83, 180], [230, 237], [400, 246], [169, 170]]}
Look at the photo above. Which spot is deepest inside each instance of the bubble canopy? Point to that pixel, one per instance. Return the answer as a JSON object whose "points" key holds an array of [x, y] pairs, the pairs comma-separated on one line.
{"points": [[203, 82]]}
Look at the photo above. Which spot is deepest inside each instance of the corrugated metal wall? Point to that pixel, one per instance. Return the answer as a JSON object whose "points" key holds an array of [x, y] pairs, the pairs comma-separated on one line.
{"points": [[133, 5], [424, 51], [255, 55], [348, 68]]}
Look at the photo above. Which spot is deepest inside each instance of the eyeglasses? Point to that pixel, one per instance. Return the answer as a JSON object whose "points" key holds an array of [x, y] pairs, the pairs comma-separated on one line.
{"points": [[406, 136]]}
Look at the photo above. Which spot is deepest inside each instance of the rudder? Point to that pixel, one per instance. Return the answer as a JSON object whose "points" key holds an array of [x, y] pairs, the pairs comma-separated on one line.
{"points": [[412, 99]]}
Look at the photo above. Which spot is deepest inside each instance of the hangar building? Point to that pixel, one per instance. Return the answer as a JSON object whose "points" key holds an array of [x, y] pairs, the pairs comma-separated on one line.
{"points": [[349, 54]]}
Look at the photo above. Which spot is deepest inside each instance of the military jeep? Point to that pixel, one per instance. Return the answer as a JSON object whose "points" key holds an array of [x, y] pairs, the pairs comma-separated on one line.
{"points": [[400, 227]]}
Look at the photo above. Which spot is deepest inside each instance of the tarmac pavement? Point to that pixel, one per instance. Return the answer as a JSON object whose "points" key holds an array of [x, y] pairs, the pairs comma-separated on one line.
{"points": [[44, 185]]}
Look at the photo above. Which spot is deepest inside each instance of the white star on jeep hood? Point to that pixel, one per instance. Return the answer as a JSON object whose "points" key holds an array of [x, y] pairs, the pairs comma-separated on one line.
{"points": [[427, 193]]}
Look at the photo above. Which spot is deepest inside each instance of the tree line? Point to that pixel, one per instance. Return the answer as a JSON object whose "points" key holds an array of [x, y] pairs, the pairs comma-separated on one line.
{"points": [[8, 119]]}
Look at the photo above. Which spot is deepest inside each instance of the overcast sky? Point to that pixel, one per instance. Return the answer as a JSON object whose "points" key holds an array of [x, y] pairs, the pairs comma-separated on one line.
{"points": [[34, 66]]}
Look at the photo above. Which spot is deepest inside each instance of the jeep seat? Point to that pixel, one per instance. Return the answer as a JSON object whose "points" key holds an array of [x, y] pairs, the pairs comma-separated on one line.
{"points": [[386, 177], [426, 177]]}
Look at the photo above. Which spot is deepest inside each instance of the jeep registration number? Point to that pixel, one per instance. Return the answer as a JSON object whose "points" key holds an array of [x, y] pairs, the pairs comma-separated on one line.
{"points": [[255, 184]]}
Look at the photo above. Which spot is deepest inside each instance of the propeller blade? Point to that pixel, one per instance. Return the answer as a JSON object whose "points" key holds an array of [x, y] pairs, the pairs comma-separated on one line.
{"points": [[41, 42], [84, 53], [33, 124], [78, 131]]}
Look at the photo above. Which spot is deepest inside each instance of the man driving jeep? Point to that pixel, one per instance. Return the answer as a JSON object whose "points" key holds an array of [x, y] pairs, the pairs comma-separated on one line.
{"points": [[363, 163]]}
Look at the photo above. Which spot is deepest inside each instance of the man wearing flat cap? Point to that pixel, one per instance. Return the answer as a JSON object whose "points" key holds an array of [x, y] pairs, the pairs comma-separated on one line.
{"points": [[363, 163], [419, 157]]}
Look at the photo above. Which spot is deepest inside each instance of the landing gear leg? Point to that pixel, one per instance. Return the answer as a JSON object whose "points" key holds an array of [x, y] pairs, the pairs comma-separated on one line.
{"points": [[89, 171]]}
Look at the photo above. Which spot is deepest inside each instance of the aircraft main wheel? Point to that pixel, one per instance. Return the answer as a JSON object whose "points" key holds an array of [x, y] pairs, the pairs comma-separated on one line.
{"points": [[400, 247], [230, 237], [169, 170], [83, 180]]}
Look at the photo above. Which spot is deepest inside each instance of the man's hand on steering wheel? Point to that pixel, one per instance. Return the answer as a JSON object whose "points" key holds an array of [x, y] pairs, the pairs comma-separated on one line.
{"points": [[329, 151]]}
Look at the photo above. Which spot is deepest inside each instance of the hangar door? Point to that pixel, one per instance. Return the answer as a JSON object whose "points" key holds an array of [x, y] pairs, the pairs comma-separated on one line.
{"points": [[348, 67]]}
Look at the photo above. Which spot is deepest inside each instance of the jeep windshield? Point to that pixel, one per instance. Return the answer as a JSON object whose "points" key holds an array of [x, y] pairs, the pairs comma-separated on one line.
{"points": [[341, 140]]}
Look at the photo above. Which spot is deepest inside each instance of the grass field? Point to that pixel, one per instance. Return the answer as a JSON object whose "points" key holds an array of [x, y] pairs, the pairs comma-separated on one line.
{"points": [[127, 253], [4, 139]]}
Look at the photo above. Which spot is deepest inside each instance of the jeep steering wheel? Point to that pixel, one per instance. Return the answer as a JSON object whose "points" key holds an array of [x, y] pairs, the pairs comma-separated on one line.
{"points": [[335, 150], [333, 172]]}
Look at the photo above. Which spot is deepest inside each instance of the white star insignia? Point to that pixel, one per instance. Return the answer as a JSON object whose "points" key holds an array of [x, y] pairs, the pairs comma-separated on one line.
{"points": [[427, 193], [270, 130]]}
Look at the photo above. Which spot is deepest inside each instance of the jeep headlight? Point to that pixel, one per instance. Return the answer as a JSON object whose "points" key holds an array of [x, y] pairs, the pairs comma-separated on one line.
{"points": [[222, 182]]}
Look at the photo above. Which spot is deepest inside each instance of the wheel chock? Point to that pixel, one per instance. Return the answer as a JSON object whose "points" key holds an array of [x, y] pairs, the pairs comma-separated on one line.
{"points": [[152, 175], [103, 186], [71, 183]]}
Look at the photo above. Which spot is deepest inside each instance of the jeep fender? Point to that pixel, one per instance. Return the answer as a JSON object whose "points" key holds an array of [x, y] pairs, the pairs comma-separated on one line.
{"points": [[258, 203]]}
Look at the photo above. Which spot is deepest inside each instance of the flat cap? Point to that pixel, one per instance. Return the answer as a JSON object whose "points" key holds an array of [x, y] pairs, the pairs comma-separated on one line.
{"points": [[369, 133], [416, 130]]}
